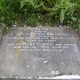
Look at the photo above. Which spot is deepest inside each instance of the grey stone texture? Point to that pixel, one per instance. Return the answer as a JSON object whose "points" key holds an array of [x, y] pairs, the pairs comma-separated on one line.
{"points": [[39, 52]]}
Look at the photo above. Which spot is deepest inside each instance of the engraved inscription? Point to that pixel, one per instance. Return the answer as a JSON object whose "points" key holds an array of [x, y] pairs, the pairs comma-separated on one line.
{"points": [[41, 40]]}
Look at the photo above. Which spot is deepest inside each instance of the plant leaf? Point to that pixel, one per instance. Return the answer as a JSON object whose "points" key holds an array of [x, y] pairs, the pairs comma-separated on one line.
{"points": [[62, 14], [73, 18]]}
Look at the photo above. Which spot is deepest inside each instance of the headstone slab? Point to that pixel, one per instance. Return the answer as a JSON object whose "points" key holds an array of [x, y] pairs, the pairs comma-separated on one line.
{"points": [[39, 52]]}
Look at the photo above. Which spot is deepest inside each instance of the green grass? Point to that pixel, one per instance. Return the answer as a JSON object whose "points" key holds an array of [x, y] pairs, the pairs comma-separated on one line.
{"points": [[5, 30], [40, 12]]}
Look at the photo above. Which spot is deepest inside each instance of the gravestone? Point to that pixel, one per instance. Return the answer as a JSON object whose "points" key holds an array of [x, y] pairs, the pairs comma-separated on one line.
{"points": [[39, 52]]}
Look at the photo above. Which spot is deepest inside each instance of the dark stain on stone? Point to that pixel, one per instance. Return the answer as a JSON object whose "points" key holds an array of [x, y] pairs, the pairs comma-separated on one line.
{"points": [[1, 39]]}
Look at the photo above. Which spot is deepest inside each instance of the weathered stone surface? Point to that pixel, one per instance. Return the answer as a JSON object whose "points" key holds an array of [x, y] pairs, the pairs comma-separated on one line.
{"points": [[39, 52]]}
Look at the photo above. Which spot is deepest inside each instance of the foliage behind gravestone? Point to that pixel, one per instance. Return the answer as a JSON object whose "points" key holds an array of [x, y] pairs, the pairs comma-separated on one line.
{"points": [[40, 12]]}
